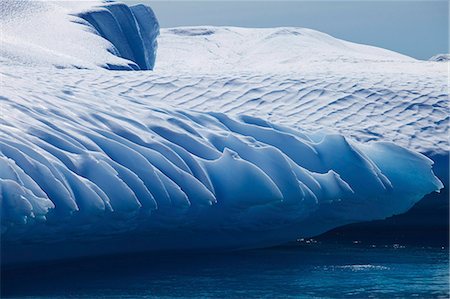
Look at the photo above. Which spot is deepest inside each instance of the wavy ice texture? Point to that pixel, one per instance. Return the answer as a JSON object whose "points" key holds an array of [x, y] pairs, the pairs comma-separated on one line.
{"points": [[408, 108], [85, 164], [303, 78], [78, 34]]}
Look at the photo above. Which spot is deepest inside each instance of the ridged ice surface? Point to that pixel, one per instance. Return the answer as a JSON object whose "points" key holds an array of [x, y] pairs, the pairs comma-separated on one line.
{"points": [[81, 159], [408, 109]]}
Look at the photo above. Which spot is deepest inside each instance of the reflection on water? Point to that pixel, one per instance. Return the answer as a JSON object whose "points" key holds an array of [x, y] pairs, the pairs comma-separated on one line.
{"points": [[306, 271]]}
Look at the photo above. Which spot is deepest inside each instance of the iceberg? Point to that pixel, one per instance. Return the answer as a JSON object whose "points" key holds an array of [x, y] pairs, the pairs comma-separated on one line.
{"points": [[203, 152], [83, 168]]}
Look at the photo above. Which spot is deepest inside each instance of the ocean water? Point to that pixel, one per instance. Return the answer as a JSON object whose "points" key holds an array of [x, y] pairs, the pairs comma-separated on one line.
{"points": [[302, 271]]}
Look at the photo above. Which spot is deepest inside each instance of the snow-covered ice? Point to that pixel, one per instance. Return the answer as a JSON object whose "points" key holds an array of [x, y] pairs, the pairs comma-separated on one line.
{"points": [[238, 138], [78, 34], [227, 49]]}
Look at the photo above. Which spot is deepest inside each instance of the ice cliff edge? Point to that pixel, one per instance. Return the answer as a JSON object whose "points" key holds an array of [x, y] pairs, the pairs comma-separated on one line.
{"points": [[85, 35], [132, 30]]}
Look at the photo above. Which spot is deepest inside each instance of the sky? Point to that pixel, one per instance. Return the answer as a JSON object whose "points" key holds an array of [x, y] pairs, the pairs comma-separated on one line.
{"points": [[416, 28]]}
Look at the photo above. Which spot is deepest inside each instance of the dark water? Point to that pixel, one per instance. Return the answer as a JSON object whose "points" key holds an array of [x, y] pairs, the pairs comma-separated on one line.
{"points": [[304, 271]]}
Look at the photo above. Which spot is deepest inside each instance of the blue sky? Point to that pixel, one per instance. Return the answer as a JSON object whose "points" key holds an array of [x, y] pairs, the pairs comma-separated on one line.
{"points": [[415, 28]]}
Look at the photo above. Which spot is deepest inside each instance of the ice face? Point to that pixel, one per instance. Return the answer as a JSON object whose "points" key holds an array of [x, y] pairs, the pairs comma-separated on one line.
{"points": [[132, 31], [87, 164]]}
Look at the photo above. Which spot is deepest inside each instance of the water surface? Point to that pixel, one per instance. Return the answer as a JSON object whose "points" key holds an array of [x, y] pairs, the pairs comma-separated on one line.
{"points": [[304, 271]]}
